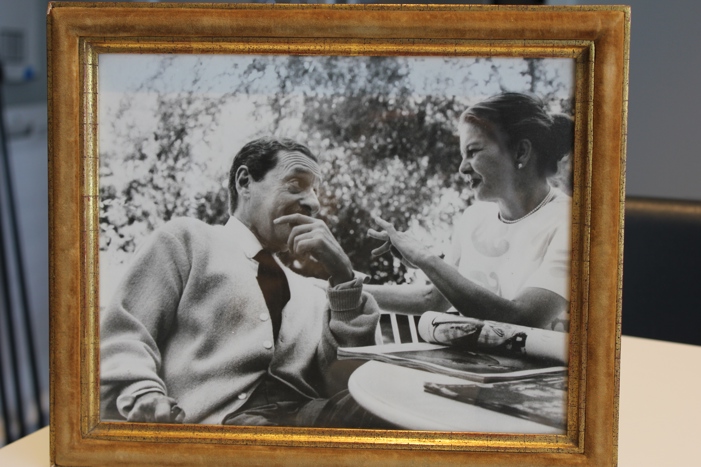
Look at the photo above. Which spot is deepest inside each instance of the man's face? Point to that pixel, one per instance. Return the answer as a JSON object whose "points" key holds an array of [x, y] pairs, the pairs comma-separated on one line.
{"points": [[288, 188]]}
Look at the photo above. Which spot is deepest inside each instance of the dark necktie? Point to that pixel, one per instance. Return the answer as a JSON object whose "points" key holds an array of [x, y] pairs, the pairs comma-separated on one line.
{"points": [[273, 283]]}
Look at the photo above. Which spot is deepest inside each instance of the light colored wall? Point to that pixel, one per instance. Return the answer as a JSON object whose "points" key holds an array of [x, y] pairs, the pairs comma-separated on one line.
{"points": [[664, 159], [664, 111]]}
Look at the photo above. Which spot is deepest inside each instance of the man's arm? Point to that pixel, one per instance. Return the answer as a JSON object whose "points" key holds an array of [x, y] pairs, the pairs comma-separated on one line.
{"points": [[140, 313], [351, 320], [351, 315]]}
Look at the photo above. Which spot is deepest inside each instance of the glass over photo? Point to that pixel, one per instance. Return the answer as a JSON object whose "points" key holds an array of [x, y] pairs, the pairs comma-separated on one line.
{"points": [[334, 241]]}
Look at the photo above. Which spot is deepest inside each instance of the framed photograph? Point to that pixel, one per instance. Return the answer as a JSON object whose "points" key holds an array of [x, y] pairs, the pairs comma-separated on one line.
{"points": [[335, 234]]}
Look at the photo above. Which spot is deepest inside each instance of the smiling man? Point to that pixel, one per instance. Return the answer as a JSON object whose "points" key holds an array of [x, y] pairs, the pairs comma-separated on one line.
{"points": [[209, 327]]}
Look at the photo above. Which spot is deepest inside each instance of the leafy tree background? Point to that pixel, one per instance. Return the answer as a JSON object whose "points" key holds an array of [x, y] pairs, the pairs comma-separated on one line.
{"points": [[383, 127]]}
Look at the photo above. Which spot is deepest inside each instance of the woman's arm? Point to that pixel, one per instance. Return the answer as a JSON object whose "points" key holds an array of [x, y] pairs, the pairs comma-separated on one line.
{"points": [[535, 307], [408, 299]]}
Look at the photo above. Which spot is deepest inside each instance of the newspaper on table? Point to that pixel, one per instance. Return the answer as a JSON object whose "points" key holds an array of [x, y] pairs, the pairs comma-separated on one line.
{"points": [[476, 350], [476, 334]]}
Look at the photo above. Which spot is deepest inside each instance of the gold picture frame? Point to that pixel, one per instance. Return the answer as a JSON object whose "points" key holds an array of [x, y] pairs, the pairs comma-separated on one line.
{"points": [[596, 38]]}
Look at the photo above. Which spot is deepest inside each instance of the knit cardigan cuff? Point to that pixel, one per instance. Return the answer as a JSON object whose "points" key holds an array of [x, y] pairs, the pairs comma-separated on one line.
{"points": [[126, 401], [345, 299]]}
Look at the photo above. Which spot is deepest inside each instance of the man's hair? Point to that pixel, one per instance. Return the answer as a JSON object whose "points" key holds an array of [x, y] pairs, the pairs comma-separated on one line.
{"points": [[260, 156]]}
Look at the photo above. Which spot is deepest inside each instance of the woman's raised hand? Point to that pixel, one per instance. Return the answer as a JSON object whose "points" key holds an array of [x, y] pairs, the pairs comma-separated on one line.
{"points": [[405, 247]]}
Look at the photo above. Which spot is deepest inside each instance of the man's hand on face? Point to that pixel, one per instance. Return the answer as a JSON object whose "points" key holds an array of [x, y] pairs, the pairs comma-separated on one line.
{"points": [[155, 407], [311, 238]]}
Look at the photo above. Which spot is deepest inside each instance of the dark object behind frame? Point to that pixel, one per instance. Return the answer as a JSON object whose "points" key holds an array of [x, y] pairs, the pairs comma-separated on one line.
{"points": [[20, 391], [662, 270]]}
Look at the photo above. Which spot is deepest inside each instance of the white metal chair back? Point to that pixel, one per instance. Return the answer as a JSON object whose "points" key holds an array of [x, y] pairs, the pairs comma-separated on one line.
{"points": [[397, 322]]}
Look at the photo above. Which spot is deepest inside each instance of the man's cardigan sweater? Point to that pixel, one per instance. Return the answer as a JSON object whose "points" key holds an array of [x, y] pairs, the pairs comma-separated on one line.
{"points": [[189, 320]]}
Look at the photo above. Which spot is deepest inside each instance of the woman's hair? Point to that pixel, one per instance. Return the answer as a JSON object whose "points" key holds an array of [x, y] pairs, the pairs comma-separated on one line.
{"points": [[520, 116]]}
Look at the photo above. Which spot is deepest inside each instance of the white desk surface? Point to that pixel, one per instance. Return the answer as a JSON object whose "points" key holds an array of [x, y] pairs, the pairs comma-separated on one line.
{"points": [[659, 411], [396, 394]]}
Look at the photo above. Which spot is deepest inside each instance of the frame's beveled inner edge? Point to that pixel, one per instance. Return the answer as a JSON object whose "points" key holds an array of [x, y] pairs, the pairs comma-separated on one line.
{"points": [[334, 46]]}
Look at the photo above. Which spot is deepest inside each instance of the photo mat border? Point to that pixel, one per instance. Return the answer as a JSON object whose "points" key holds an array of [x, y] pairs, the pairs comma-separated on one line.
{"points": [[83, 321]]}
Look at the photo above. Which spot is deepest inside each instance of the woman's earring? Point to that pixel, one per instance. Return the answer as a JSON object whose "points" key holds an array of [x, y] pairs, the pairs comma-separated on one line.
{"points": [[520, 165]]}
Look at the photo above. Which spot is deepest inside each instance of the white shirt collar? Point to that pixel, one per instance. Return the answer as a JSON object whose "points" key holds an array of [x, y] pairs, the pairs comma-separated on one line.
{"points": [[244, 237]]}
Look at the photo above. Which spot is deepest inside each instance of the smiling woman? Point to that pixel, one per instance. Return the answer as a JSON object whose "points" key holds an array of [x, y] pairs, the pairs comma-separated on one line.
{"points": [[511, 249], [515, 144]]}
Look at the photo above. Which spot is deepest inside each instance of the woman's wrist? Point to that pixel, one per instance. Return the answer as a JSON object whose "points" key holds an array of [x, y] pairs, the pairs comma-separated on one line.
{"points": [[426, 260]]}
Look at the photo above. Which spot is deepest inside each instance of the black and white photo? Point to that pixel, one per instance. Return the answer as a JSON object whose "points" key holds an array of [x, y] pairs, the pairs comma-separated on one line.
{"points": [[268, 223]]}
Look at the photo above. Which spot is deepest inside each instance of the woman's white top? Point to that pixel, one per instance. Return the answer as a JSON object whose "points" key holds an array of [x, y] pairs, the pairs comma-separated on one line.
{"points": [[508, 258]]}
